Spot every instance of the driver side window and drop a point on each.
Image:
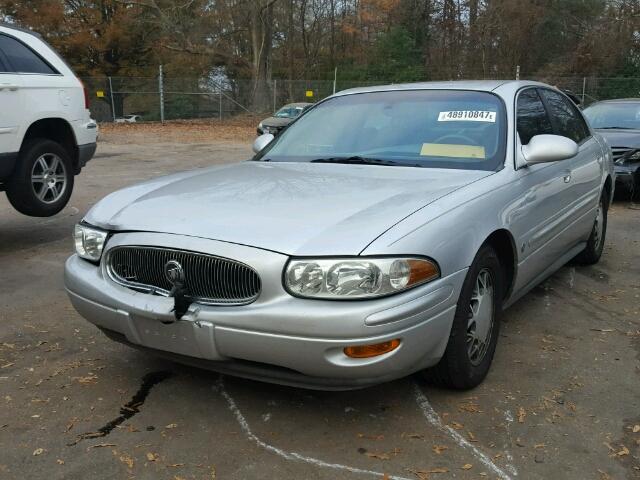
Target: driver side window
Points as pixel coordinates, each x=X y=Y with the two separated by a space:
x=532 y=118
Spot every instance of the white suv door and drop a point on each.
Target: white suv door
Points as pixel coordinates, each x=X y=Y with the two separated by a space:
x=12 y=102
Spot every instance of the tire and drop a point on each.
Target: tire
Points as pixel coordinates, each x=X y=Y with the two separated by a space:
x=460 y=367
x=593 y=251
x=42 y=182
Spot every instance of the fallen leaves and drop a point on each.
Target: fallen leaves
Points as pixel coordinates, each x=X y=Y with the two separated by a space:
x=438 y=449
x=469 y=407
x=371 y=437
x=635 y=429
x=383 y=455
x=38 y=451
x=467 y=466
x=152 y=457
x=621 y=453
x=127 y=460
x=379 y=456
x=522 y=413
x=426 y=474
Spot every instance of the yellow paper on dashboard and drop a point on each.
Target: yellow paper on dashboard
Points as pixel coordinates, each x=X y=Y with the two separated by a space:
x=451 y=150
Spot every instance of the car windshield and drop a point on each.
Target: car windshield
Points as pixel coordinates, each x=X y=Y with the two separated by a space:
x=423 y=128
x=288 y=112
x=614 y=115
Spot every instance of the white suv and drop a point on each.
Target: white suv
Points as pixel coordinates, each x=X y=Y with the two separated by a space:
x=46 y=132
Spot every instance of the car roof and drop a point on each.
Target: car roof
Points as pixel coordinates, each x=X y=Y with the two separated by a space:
x=20 y=29
x=296 y=104
x=477 y=85
x=619 y=100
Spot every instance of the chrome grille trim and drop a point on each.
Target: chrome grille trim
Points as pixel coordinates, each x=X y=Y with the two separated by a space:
x=210 y=280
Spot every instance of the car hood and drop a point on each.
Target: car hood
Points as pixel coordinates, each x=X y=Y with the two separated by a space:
x=276 y=122
x=621 y=138
x=292 y=208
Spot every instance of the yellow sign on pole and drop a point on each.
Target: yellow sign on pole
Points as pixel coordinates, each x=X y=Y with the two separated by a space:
x=309 y=93
x=100 y=94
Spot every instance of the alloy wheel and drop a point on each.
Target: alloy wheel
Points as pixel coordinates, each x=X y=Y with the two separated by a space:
x=480 y=324
x=598 y=227
x=49 y=178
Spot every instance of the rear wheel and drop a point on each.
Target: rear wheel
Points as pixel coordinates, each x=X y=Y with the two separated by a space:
x=593 y=251
x=476 y=325
x=42 y=183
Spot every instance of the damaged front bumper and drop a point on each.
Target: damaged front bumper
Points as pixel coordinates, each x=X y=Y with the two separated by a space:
x=278 y=338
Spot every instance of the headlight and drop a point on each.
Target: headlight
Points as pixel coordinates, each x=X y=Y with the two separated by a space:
x=359 y=277
x=632 y=156
x=89 y=242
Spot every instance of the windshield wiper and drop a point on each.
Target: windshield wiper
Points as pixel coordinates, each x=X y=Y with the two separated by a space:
x=355 y=160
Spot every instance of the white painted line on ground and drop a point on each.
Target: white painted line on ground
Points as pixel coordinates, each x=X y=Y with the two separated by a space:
x=290 y=455
x=508 y=416
x=434 y=419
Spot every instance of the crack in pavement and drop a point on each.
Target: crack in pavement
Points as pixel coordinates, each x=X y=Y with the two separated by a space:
x=129 y=409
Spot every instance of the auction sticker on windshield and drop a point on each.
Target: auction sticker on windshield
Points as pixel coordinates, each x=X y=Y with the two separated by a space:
x=467 y=116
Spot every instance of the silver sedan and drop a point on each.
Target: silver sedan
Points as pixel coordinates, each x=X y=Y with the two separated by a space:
x=382 y=233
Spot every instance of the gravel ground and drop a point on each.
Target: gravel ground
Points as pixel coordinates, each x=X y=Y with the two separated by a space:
x=561 y=402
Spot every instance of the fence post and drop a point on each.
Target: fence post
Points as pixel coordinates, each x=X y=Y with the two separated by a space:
x=335 y=79
x=584 y=88
x=275 y=89
x=113 y=106
x=517 y=72
x=220 y=102
x=161 y=89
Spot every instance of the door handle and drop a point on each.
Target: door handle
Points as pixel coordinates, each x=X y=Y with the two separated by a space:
x=9 y=86
x=567 y=178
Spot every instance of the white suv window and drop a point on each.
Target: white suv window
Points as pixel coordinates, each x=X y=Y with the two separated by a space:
x=22 y=59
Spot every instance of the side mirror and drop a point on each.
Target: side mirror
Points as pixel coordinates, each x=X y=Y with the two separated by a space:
x=549 y=148
x=262 y=141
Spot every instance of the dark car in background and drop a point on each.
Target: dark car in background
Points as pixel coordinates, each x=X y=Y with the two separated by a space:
x=283 y=117
x=618 y=121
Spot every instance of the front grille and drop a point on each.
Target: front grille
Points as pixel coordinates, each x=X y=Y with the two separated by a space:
x=209 y=279
x=618 y=152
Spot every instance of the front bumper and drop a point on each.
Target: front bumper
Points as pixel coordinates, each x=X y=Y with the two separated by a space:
x=278 y=338
x=627 y=176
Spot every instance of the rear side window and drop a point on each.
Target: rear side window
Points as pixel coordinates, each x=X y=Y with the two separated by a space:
x=532 y=116
x=22 y=59
x=567 y=120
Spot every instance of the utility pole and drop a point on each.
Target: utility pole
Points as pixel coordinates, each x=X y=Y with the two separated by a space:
x=584 y=88
x=161 y=89
x=517 y=72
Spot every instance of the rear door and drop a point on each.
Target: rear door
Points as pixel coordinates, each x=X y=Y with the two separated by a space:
x=586 y=168
x=11 y=104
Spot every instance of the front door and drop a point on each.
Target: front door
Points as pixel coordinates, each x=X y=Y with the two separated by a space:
x=586 y=167
x=540 y=218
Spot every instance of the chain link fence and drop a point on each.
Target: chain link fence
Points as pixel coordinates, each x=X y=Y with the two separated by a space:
x=160 y=98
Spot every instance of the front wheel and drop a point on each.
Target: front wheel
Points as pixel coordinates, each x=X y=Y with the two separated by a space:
x=474 y=333
x=42 y=182
x=593 y=251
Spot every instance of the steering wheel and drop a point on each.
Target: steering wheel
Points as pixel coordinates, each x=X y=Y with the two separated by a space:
x=466 y=140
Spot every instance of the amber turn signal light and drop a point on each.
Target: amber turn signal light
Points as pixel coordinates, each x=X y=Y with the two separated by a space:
x=366 y=351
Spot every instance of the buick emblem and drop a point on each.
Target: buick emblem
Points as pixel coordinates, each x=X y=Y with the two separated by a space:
x=174 y=272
